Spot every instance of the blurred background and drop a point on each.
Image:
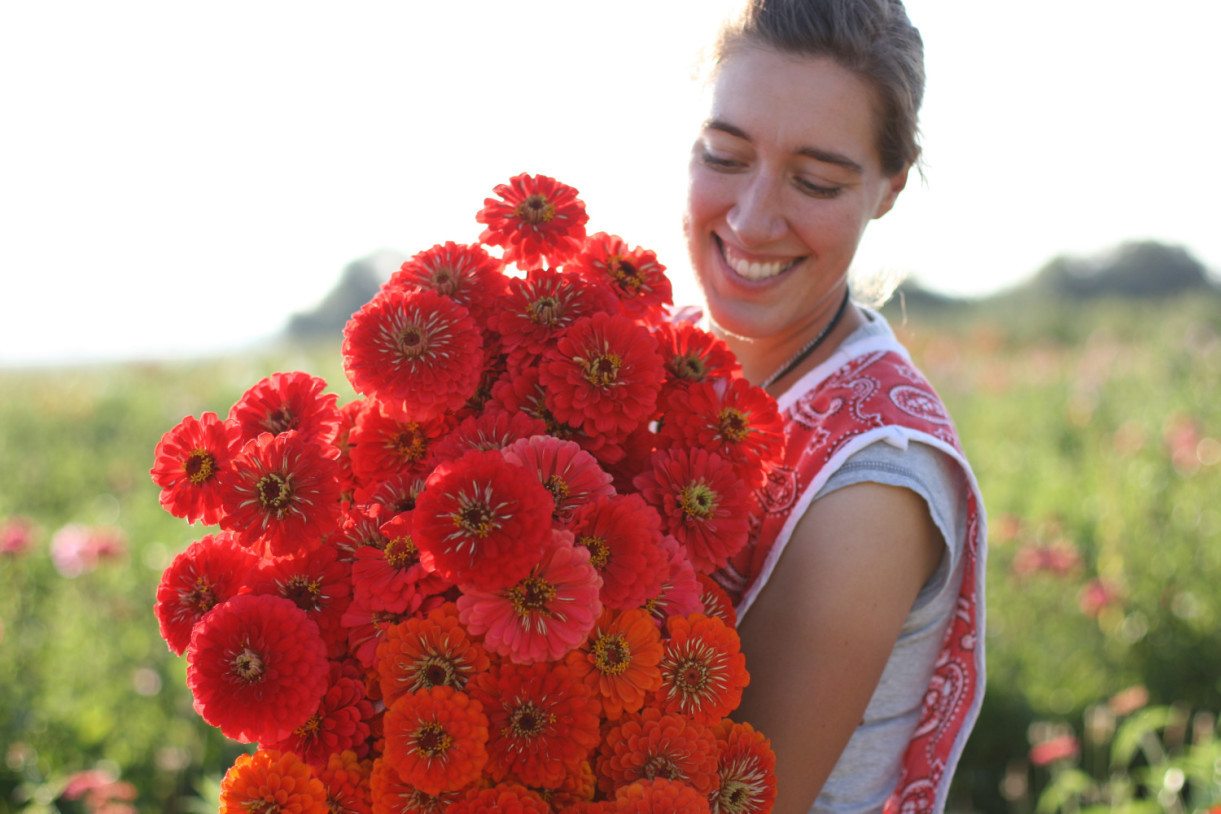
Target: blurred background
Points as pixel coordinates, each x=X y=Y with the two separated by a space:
x=192 y=197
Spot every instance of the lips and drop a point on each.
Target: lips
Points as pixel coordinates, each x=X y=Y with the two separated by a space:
x=750 y=269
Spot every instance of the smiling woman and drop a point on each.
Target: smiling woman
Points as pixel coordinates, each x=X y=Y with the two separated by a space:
x=860 y=595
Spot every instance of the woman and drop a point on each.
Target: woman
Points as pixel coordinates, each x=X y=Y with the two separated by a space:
x=860 y=598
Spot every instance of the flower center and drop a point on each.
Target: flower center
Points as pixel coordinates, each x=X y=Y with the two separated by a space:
x=733 y=424
x=279 y=421
x=611 y=654
x=691 y=676
x=661 y=766
x=200 y=466
x=625 y=274
x=602 y=371
x=306 y=593
x=536 y=209
x=558 y=487
x=201 y=597
x=531 y=595
x=275 y=491
x=545 y=311
x=437 y=671
x=698 y=500
x=528 y=721
x=411 y=342
x=309 y=729
x=689 y=368
x=476 y=519
x=599 y=551
x=742 y=787
x=401 y=552
x=247 y=666
x=445 y=280
x=431 y=740
x=409 y=444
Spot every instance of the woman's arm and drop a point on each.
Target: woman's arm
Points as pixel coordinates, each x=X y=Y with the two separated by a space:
x=820 y=632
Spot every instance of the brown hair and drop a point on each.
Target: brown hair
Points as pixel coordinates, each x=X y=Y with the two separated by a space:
x=873 y=38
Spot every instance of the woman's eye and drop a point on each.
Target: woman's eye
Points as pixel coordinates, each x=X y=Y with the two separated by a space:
x=718 y=161
x=816 y=190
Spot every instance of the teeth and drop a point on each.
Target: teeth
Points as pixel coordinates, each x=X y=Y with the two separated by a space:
x=754 y=271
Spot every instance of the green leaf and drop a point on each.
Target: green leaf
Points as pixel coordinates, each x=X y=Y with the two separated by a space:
x=1132 y=731
x=1067 y=785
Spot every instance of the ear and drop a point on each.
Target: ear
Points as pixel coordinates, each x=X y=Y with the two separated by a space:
x=893 y=185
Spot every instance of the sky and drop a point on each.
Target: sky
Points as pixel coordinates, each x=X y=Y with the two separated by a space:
x=178 y=179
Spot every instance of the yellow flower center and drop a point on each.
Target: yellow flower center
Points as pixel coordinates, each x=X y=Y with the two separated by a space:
x=200 y=466
x=275 y=491
x=303 y=591
x=531 y=595
x=437 y=670
x=734 y=425
x=611 y=654
x=624 y=273
x=544 y=311
x=602 y=371
x=599 y=551
x=528 y=721
x=431 y=740
x=409 y=444
x=400 y=552
x=247 y=666
x=661 y=766
x=698 y=500
x=688 y=368
x=201 y=597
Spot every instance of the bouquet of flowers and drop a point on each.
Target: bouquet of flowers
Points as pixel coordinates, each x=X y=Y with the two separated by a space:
x=484 y=584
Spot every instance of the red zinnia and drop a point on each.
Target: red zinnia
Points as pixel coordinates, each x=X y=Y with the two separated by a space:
x=656 y=744
x=210 y=571
x=542 y=718
x=569 y=473
x=346 y=778
x=746 y=771
x=703 y=670
x=270 y=780
x=493 y=429
x=382 y=575
x=537 y=220
x=540 y=307
x=283 y=494
x=468 y=275
x=384 y=445
x=691 y=355
x=634 y=274
x=544 y=615
x=394 y=495
x=288 y=401
x=340 y=723
x=418 y=352
x=603 y=375
x=619 y=661
x=368 y=618
x=702 y=503
x=734 y=419
x=257 y=668
x=188 y=464
x=317 y=582
x=434 y=651
x=623 y=535
x=481 y=521
x=436 y=739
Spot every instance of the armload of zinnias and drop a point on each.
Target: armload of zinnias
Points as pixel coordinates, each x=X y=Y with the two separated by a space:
x=483 y=586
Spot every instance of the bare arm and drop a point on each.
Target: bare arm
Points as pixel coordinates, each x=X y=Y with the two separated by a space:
x=819 y=634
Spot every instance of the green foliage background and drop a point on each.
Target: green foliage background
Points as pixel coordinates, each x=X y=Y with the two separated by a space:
x=1095 y=429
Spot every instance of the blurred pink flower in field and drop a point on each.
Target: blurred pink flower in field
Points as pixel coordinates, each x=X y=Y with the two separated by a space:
x=1125 y=702
x=101 y=791
x=16 y=536
x=78 y=549
x=1058 y=558
x=1004 y=529
x=1181 y=434
x=1096 y=595
x=1061 y=747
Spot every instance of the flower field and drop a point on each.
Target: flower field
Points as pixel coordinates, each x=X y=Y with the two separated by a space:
x=1095 y=432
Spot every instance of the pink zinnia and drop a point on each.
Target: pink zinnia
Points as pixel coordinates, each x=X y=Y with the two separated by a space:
x=569 y=473
x=680 y=589
x=543 y=616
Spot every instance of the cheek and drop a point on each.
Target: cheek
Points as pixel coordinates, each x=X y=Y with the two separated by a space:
x=707 y=199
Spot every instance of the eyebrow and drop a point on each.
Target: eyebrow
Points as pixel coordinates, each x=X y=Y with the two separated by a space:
x=816 y=153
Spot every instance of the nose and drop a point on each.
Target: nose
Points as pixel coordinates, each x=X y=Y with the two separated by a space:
x=756 y=217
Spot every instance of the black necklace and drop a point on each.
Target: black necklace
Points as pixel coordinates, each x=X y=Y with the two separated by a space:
x=809 y=347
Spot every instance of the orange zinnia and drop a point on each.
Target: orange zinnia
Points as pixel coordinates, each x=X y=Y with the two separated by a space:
x=346 y=778
x=654 y=744
x=436 y=739
x=746 y=771
x=421 y=653
x=620 y=660
x=703 y=670
x=271 y=780
x=659 y=796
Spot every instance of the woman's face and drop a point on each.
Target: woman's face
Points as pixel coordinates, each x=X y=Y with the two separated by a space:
x=784 y=177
